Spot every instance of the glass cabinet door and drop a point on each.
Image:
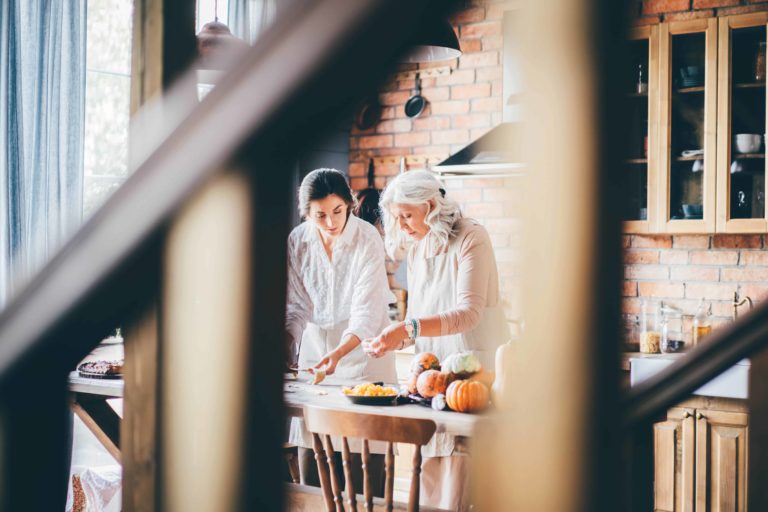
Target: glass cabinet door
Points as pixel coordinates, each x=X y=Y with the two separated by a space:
x=742 y=124
x=641 y=90
x=689 y=95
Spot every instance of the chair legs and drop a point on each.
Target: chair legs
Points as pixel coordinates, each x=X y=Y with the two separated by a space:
x=292 y=459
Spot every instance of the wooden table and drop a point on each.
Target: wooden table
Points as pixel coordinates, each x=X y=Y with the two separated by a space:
x=89 y=402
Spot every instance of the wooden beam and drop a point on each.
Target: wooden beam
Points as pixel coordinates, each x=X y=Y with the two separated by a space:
x=101 y=420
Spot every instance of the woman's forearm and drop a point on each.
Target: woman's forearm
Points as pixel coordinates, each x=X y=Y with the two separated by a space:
x=347 y=345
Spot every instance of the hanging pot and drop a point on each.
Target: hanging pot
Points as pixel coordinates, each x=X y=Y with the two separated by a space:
x=416 y=103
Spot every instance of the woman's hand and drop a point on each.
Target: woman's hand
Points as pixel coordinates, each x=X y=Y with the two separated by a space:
x=328 y=362
x=391 y=338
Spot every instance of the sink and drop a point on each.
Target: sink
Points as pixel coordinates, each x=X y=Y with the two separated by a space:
x=733 y=383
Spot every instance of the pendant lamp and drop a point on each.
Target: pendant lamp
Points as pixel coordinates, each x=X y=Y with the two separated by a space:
x=435 y=42
x=217 y=49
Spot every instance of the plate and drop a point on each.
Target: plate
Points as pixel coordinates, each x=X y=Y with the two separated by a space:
x=372 y=400
x=94 y=375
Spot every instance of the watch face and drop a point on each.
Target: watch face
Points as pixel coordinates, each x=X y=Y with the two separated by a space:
x=409 y=329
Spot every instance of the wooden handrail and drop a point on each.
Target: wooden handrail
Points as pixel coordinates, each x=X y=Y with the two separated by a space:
x=722 y=349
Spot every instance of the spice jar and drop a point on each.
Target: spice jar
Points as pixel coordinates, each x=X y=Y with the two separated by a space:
x=702 y=322
x=650 y=334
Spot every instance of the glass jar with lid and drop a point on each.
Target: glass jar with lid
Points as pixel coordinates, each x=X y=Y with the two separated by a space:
x=702 y=322
x=650 y=328
x=671 y=330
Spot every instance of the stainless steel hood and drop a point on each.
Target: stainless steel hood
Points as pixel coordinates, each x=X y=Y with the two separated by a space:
x=496 y=152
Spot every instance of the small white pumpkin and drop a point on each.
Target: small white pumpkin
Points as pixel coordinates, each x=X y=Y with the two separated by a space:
x=461 y=363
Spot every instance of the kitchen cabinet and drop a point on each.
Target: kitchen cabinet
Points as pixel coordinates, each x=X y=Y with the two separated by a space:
x=700 y=458
x=697 y=155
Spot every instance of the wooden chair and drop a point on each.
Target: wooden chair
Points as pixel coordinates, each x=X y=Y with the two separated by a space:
x=327 y=422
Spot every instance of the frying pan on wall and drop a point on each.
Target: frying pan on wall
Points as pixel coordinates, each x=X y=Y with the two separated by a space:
x=416 y=103
x=368 y=199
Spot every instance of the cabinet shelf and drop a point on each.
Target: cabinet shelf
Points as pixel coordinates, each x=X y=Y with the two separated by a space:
x=737 y=156
x=750 y=85
x=690 y=90
x=635 y=161
x=689 y=158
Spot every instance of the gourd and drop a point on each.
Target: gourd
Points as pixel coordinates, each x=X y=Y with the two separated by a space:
x=504 y=354
x=412 y=383
x=467 y=396
x=432 y=382
x=461 y=363
x=486 y=377
x=424 y=361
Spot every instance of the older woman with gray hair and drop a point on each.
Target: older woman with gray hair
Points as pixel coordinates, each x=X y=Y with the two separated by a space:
x=453 y=303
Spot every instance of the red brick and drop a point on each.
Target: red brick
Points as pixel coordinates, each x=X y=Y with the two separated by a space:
x=758 y=258
x=690 y=273
x=395 y=126
x=358 y=183
x=660 y=289
x=476 y=133
x=690 y=15
x=488 y=74
x=645 y=20
x=460 y=76
x=437 y=93
x=471 y=45
x=468 y=16
x=492 y=42
x=755 y=291
x=450 y=137
x=389 y=113
x=674 y=257
x=743 y=9
x=642 y=256
x=737 y=241
x=709 y=4
x=629 y=289
x=394 y=98
x=479 y=30
x=709 y=291
x=646 y=272
x=432 y=123
x=375 y=141
x=387 y=170
x=626 y=241
x=690 y=241
x=358 y=169
x=441 y=151
x=479 y=59
x=744 y=274
x=472 y=120
x=460 y=92
x=714 y=257
x=450 y=107
x=484 y=210
x=354 y=143
x=652 y=241
x=487 y=105
x=662 y=6
x=409 y=140
x=631 y=306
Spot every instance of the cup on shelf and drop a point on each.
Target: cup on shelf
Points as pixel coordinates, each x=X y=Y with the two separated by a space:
x=747 y=142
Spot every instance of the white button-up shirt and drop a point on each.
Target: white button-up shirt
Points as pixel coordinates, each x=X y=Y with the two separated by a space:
x=351 y=288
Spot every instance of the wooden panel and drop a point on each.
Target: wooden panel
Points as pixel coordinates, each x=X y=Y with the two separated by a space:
x=757 y=449
x=721 y=461
x=140 y=412
x=674 y=462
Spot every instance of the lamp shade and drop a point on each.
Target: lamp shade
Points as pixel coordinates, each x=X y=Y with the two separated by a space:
x=217 y=47
x=434 y=42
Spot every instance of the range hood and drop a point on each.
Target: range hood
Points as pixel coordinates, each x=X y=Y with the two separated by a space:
x=496 y=152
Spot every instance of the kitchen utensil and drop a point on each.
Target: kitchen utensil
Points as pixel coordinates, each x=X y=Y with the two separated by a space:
x=369 y=113
x=416 y=103
x=368 y=199
x=747 y=142
x=372 y=400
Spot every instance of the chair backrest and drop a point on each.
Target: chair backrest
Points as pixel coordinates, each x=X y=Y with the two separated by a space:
x=329 y=422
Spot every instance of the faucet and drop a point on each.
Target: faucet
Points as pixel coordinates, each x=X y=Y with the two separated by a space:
x=736 y=303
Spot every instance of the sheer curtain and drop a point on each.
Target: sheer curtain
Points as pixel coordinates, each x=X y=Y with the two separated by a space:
x=248 y=18
x=42 y=112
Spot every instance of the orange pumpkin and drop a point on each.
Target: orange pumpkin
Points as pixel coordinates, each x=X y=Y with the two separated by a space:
x=432 y=382
x=424 y=361
x=484 y=376
x=467 y=396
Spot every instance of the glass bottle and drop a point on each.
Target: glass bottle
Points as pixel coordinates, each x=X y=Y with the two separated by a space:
x=760 y=63
x=650 y=334
x=702 y=322
x=671 y=322
x=642 y=82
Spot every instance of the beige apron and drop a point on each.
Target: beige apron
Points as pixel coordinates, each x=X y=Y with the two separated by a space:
x=432 y=285
x=315 y=343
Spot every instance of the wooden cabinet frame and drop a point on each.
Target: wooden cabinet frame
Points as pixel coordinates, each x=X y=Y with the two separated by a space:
x=651 y=33
x=724 y=223
x=666 y=31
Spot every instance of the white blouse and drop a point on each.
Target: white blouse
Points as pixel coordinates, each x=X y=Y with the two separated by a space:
x=351 y=287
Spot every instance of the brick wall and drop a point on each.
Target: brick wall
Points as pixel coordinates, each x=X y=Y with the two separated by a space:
x=649 y=12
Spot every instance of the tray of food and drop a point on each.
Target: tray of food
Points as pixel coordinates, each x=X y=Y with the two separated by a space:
x=101 y=369
x=371 y=393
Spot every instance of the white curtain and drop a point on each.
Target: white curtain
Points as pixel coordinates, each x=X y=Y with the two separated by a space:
x=249 y=18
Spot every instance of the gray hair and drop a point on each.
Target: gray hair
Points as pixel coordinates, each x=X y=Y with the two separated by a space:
x=418 y=188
